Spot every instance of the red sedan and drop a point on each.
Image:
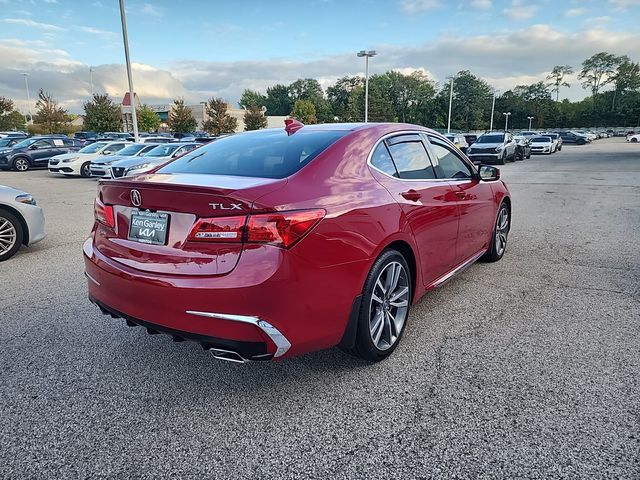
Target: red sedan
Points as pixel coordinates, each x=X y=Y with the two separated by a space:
x=274 y=243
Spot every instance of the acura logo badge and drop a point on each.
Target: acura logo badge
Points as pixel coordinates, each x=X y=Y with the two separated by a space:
x=136 y=198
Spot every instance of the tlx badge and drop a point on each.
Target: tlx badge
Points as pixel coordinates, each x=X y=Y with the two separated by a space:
x=222 y=206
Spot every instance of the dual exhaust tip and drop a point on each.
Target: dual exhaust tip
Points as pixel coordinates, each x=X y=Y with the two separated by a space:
x=227 y=355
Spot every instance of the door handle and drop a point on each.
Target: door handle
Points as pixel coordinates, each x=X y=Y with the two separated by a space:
x=411 y=195
x=460 y=194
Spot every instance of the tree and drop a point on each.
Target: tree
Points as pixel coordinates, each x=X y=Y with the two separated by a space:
x=101 y=114
x=251 y=98
x=626 y=79
x=338 y=95
x=181 y=118
x=557 y=78
x=49 y=114
x=254 y=119
x=148 y=120
x=10 y=119
x=219 y=120
x=278 y=101
x=598 y=70
x=305 y=89
x=305 y=111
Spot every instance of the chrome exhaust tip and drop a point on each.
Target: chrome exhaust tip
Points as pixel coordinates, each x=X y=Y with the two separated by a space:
x=227 y=355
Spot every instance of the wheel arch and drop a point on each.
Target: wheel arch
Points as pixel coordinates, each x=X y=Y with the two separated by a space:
x=23 y=223
x=17 y=157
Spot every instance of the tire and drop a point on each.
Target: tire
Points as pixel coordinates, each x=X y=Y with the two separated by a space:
x=634 y=140
x=581 y=142
x=500 y=235
x=502 y=159
x=85 y=170
x=11 y=235
x=21 y=164
x=519 y=156
x=529 y=155
x=377 y=334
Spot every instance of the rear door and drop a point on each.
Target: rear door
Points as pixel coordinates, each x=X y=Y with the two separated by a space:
x=429 y=205
x=44 y=149
x=475 y=201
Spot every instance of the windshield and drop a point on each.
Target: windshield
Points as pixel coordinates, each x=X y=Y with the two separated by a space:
x=490 y=139
x=5 y=141
x=130 y=150
x=25 y=143
x=541 y=140
x=265 y=154
x=162 y=151
x=93 y=148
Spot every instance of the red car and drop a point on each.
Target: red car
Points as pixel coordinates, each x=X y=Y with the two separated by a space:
x=278 y=242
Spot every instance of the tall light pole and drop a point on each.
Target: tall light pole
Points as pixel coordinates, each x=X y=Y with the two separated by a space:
x=125 y=39
x=366 y=54
x=26 y=85
x=530 y=118
x=91 y=70
x=493 y=107
x=506 y=120
x=450 y=102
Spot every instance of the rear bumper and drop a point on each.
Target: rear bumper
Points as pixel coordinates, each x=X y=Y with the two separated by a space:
x=272 y=298
x=484 y=157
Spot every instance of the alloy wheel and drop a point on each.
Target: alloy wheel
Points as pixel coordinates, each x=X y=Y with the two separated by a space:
x=21 y=164
x=8 y=236
x=502 y=230
x=389 y=305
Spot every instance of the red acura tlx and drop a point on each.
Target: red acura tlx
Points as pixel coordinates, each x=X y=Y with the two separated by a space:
x=273 y=243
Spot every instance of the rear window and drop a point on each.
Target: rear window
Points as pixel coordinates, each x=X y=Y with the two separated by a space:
x=541 y=140
x=490 y=139
x=264 y=154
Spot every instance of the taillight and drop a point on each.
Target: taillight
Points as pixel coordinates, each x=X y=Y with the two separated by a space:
x=222 y=229
x=283 y=229
x=104 y=213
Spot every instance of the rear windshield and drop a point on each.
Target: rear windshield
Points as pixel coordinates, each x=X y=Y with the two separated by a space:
x=541 y=140
x=264 y=154
x=131 y=150
x=490 y=139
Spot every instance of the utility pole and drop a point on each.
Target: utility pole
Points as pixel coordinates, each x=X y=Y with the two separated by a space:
x=26 y=84
x=125 y=39
x=91 y=79
x=506 y=120
x=493 y=107
x=530 y=118
x=366 y=55
x=450 y=102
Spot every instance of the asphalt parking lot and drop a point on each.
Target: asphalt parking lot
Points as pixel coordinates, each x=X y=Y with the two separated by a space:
x=526 y=368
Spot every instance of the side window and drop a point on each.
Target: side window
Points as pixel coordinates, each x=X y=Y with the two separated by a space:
x=43 y=144
x=113 y=148
x=68 y=143
x=382 y=160
x=449 y=165
x=410 y=157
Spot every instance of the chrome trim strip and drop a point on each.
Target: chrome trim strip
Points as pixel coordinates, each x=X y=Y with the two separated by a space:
x=442 y=280
x=280 y=341
x=91 y=278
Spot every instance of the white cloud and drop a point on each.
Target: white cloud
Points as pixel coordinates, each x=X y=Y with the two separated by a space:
x=575 y=12
x=106 y=34
x=30 y=23
x=624 y=4
x=417 y=6
x=519 y=10
x=481 y=4
x=149 y=9
x=52 y=2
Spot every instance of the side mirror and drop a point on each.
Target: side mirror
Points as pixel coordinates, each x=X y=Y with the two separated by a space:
x=489 y=173
x=33 y=147
x=108 y=152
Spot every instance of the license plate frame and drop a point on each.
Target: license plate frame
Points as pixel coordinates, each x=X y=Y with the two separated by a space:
x=148 y=227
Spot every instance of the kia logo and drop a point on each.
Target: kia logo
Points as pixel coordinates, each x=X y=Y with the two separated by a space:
x=136 y=198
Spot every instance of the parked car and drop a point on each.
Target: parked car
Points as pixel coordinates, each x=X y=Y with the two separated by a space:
x=79 y=163
x=84 y=136
x=8 y=142
x=470 y=138
x=35 y=152
x=557 y=140
x=570 y=137
x=523 y=147
x=21 y=221
x=458 y=140
x=634 y=138
x=155 y=139
x=152 y=159
x=239 y=244
x=14 y=134
x=101 y=166
x=588 y=135
x=542 y=144
x=493 y=147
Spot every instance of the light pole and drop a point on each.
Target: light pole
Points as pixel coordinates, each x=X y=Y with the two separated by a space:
x=366 y=54
x=450 y=102
x=493 y=107
x=26 y=84
x=91 y=70
x=125 y=39
x=530 y=118
x=506 y=120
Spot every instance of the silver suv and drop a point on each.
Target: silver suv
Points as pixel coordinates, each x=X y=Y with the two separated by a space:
x=493 y=148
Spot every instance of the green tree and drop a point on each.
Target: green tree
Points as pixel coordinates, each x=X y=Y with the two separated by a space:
x=254 y=119
x=181 y=118
x=305 y=111
x=278 y=101
x=101 y=114
x=338 y=95
x=471 y=99
x=148 y=120
x=10 y=119
x=305 y=89
x=598 y=70
x=626 y=79
x=219 y=121
x=557 y=78
x=49 y=114
x=252 y=98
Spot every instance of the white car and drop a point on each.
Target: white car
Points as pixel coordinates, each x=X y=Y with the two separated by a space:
x=79 y=163
x=150 y=160
x=155 y=140
x=542 y=144
x=458 y=140
x=21 y=221
x=633 y=138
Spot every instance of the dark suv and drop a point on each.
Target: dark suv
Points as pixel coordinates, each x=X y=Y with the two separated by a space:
x=35 y=152
x=570 y=137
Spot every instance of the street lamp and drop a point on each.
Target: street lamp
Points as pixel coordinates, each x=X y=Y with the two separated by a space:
x=91 y=70
x=26 y=84
x=366 y=54
x=450 y=102
x=125 y=39
x=530 y=118
x=506 y=120
x=493 y=107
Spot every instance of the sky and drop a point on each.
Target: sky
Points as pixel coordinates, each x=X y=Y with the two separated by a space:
x=199 y=49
